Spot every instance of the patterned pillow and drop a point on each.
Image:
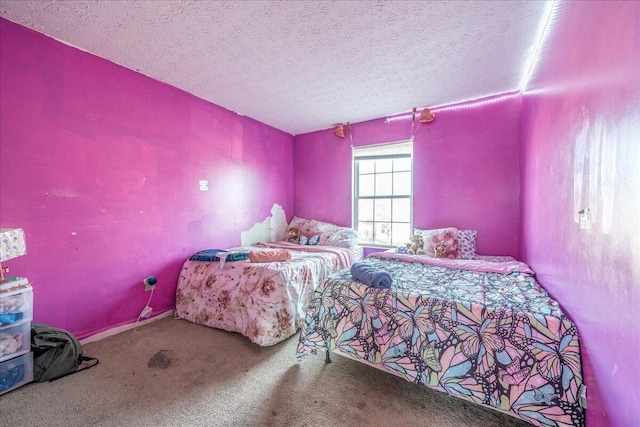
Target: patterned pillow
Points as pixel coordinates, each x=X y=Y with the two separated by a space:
x=401 y=250
x=440 y=243
x=467 y=244
x=314 y=240
x=330 y=234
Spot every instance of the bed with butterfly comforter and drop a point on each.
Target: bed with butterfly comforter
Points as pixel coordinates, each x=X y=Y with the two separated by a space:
x=480 y=330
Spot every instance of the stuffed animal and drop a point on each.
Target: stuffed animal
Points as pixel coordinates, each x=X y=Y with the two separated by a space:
x=293 y=236
x=440 y=251
x=415 y=246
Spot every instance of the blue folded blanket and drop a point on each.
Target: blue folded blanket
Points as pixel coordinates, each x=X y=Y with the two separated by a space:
x=370 y=275
x=210 y=255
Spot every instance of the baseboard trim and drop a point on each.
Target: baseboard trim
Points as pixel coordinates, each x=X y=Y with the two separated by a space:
x=114 y=331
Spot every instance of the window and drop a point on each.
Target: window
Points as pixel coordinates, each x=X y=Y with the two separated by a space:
x=383 y=193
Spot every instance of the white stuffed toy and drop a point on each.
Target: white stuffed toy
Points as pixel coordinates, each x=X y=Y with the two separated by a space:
x=416 y=245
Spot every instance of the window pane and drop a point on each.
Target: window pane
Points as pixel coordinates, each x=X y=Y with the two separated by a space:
x=383 y=233
x=402 y=164
x=401 y=210
x=366 y=231
x=402 y=183
x=366 y=166
x=384 y=165
x=401 y=233
x=365 y=210
x=366 y=185
x=383 y=184
x=382 y=209
x=383 y=194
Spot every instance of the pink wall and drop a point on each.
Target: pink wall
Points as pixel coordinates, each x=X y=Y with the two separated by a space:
x=466 y=171
x=581 y=149
x=101 y=166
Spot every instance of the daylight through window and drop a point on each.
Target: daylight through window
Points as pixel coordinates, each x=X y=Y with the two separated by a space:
x=382 y=193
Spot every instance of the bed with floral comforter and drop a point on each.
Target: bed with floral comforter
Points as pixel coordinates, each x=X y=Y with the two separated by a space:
x=479 y=330
x=265 y=302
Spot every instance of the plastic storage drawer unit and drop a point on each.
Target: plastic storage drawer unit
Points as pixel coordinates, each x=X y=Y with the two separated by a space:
x=15 y=340
x=16 y=372
x=16 y=305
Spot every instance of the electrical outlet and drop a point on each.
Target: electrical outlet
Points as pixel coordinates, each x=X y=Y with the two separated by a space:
x=150 y=283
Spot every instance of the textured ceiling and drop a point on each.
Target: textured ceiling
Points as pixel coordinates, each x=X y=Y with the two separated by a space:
x=302 y=66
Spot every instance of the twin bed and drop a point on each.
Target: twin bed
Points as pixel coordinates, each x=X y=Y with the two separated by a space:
x=481 y=329
x=264 y=301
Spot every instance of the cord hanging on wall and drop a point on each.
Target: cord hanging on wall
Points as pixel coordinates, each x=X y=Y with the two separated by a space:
x=413 y=121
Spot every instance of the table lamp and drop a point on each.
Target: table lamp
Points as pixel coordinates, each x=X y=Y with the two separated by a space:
x=12 y=245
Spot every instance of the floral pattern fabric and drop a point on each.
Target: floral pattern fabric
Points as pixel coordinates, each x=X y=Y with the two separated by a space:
x=441 y=243
x=330 y=234
x=495 y=339
x=266 y=302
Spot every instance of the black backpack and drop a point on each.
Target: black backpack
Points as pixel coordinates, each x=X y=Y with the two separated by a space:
x=56 y=353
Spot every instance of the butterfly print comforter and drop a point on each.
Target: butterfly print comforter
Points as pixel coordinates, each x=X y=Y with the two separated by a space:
x=485 y=333
x=265 y=302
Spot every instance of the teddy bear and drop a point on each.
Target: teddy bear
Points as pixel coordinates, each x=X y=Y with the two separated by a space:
x=293 y=236
x=440 y=251
x=415 y=246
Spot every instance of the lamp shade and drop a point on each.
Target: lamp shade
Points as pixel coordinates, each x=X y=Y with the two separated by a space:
x=12 y=243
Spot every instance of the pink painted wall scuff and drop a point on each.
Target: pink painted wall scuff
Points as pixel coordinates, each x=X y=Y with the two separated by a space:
x=580 y=127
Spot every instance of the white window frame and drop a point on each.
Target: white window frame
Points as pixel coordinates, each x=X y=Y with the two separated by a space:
x=392 y=150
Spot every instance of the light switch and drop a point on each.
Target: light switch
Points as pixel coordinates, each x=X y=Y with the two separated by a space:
x=204 y=185
x=585 y=218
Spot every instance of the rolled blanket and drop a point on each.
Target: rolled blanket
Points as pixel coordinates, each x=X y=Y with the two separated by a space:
x=370 y=275
x=276 y=255
x=212 y=255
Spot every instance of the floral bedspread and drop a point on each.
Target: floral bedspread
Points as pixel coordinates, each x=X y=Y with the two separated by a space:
x=266 y=302
x=491 y=338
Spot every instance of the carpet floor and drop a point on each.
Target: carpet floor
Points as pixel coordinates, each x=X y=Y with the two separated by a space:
x=174 y=373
